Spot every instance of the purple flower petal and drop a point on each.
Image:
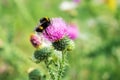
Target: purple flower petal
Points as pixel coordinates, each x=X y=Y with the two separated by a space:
x=72 y=31
x=55 y=31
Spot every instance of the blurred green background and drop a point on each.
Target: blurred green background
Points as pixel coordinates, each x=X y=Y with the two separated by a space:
x=97 y=52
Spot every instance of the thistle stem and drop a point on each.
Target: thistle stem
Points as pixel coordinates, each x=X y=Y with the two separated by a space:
x=62 y=65
x=52 y=76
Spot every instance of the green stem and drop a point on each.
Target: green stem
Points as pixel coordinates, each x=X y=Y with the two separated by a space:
x=52 y=76
x=60 y=71
x=62 y=65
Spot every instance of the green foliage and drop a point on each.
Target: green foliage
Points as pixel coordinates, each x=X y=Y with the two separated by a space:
x=97 y=50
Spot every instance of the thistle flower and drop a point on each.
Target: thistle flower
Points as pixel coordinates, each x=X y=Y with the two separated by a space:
x=72 y=31
x=55 y=31
x=76 y=1
x=68 y=5
x=35 y=40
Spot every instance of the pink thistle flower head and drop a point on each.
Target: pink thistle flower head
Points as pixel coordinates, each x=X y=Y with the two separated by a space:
x=72 y=31
x=76 y=1
x=35 y=40
x=56 y=30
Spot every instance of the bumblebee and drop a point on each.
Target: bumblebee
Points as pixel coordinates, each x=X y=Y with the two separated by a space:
x=44 y=23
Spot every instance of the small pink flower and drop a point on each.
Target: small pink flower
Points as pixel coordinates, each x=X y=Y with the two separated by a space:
x=72 y=31
x=35 y=40
x=76 y=1
x=55 y=31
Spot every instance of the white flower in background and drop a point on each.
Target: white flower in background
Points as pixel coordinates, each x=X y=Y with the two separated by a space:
x=84 y=36
x=97 y=2
x=91 y=22
x=118 y=1
x=68 y=5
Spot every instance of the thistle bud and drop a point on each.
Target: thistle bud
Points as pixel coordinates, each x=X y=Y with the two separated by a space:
x=42 y=53
x=62 y=44
x=35 y=40
x=71 y=45
x=35 y=75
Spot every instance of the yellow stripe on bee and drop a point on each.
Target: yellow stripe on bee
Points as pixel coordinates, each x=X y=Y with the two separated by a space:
x=47 y=18
x=40 y=27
